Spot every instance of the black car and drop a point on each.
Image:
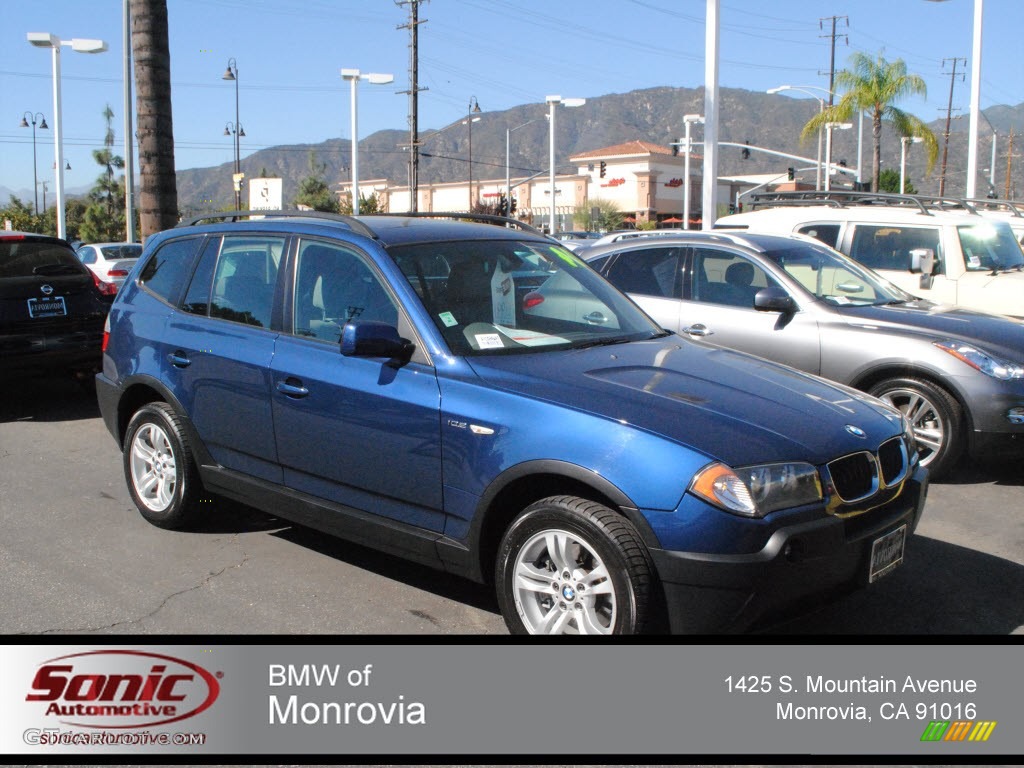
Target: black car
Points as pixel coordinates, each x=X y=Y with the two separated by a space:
x=52 y=308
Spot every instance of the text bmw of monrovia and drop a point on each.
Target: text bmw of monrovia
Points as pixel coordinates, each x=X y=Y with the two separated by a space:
x=122 y=689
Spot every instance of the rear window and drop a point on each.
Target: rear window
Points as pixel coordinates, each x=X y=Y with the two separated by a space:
x=35 y=258
x=124 y=251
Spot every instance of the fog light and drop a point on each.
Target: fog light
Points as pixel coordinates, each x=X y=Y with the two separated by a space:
x=1016 y=415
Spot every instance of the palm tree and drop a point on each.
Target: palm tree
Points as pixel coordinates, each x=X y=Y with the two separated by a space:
x=874 y=86
x=158 y=189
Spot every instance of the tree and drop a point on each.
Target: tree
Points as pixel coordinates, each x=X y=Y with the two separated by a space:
x=314 y=192
x=104 y=218
x=367 y=205
x=889 y=181
x=158 y=189
x=21 y=216
x=609 y=216
x=874 y=86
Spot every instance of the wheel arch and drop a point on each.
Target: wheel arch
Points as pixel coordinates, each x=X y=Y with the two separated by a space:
x=867 y=379
x=139 y=391
x=519 y=486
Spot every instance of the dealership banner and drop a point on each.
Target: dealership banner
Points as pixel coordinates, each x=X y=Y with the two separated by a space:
x=532 y=698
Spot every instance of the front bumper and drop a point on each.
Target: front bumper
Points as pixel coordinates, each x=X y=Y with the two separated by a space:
x=800 y=567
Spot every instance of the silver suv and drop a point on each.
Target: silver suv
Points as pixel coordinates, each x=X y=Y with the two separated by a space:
x=946 y=251
x=958 y=375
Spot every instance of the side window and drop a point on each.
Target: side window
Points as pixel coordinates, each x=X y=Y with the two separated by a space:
x=197 y=298
x=333 y=286
x=87 y=255
x=827 y=233
x=245 y=279
x=889 y=246
x=721 y=277
x=168 y=268
x=646 y=271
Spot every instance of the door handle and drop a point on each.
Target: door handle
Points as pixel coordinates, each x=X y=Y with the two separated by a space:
x=596 y=318
x=178 y=360
x=292 y=388
x=698 y=329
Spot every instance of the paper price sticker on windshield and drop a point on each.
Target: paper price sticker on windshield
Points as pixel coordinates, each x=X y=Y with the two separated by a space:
x=488 y=341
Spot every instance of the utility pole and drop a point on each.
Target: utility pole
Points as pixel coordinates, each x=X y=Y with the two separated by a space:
x=832 y=59
x=949 y=115
x=414 y=89
x=1009 y=166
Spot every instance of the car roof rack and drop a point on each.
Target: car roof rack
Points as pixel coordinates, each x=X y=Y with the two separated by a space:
x=353 y=223
x=1013 y=207
x=484 y=218
x=837 y=199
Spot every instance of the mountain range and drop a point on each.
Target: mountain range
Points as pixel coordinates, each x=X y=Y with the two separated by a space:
x=653 y=114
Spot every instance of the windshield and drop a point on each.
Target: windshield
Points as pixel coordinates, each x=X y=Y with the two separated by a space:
x=833 y=278
x=491 y=297
x=990 y=246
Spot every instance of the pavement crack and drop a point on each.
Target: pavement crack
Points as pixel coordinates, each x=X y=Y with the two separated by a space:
x=163 y=603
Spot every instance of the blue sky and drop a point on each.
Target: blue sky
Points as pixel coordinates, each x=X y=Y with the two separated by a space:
x=289 y=54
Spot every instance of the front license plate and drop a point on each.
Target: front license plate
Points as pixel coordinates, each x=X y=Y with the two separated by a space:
x=48 y=307
x=887 y=553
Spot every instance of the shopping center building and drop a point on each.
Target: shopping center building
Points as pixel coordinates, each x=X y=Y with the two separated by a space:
x=643 y=180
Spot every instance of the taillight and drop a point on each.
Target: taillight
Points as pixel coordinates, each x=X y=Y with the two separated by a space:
x=532 y=299
x=105 y=288
x=106 y=333
x=117 y=273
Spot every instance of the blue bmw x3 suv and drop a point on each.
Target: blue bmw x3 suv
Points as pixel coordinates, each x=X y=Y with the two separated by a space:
x=380 y=378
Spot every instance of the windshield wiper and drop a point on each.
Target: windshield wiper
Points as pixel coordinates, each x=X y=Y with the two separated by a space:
x=56 y=269
x=602 y=342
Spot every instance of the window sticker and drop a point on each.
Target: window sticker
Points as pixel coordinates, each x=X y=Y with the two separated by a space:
x=973 y=262
x=503 y=297
x=448 y=319
x=531 y=338
x=565 y=255
x=489 y=341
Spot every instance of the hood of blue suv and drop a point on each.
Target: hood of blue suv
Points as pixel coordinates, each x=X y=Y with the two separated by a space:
x=730 y=406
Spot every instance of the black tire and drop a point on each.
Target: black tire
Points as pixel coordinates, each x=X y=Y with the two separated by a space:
x=590 y=534
x=935 y=416
x=158 y=466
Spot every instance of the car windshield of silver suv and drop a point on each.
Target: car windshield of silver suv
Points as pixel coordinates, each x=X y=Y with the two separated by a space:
x=990 y=248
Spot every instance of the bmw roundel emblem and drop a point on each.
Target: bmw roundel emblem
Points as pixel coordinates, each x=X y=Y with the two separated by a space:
x=568 y=592
x=856 y=431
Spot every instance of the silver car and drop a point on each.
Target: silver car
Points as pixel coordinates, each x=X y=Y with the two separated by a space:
x=110 y=262
x=957 y=374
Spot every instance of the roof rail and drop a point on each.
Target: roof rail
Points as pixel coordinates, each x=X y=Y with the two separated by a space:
x=485 y=218
x=1014 y=207
x=353 y=223
x=836 y=198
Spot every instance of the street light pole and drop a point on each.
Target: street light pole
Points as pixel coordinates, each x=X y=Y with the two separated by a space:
x=688 y=120
x=232 y=74
x=54 y=43
x=473 y=107
x=821 y=108
x=552 y=102
x=42 y=126
x=354 y=76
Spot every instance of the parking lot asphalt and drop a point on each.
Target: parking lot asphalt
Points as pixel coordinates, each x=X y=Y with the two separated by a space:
x=77 y=558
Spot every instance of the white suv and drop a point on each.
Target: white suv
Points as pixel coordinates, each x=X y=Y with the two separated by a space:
x=920 y=244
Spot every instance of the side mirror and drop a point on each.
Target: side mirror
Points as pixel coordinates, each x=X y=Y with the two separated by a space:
x=774 y=299
x=373 y=339
x=922 y=260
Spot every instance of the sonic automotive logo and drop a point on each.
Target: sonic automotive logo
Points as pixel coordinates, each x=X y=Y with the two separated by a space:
x=122 y=689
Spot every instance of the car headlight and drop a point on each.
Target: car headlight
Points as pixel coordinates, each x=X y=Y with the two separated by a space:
x=757 y=490
x=988 y=364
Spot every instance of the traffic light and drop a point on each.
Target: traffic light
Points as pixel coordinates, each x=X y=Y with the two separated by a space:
x=503 y=206
x=512 y=206
x=604 y=168
x=791 y=173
